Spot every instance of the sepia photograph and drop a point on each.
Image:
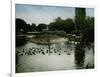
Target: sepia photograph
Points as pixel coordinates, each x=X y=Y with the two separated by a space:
x=53 y=38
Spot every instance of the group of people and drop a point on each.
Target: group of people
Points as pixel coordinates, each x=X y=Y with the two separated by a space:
x=43 y=51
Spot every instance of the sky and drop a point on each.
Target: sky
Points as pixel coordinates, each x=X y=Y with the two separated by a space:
x=45 y=14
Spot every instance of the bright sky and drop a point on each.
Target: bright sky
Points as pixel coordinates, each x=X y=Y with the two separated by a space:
x=46 y=14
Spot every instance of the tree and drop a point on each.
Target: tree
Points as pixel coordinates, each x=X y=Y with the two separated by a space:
x=89 y=22
x=20 y=25
x=33 y=26
x=88 y=31
x=58 y=19
x=80 y=15
x=69 y=25
x=41 y=26
x=66 y=25
x=58 y=24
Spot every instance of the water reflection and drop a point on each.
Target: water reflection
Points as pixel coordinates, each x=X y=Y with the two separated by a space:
x=61 y=56
x=79 y=55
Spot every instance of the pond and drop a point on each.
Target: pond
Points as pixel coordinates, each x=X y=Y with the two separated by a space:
x=33 y=57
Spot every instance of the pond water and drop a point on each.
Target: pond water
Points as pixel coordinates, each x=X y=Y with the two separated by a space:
x=33 y=57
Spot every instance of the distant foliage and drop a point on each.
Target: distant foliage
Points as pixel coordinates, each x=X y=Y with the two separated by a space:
x=41 y=26
x=66 y=25
x=80 y=25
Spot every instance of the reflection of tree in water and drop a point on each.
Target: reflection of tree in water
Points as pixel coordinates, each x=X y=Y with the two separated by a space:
x=49 y=45
x=79 y=55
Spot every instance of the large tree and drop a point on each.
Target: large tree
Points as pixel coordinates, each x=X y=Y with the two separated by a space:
x=20 y=25
x=80 y=16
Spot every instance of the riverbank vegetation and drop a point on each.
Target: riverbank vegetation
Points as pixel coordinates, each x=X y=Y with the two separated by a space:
x=81 y=26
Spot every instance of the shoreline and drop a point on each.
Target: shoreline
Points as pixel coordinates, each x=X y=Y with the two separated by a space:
x=45 y=41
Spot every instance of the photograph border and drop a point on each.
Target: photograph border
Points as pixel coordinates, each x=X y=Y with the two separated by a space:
x=13 y=39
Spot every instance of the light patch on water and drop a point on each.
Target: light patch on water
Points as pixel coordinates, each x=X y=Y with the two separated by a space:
x=46 y=63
